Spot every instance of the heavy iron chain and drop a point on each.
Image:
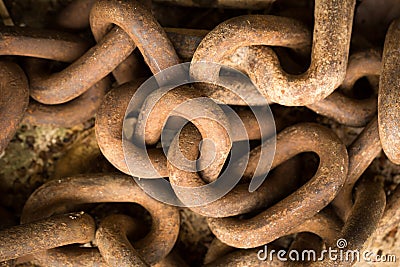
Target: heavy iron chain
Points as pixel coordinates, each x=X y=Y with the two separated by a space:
x=333 y=203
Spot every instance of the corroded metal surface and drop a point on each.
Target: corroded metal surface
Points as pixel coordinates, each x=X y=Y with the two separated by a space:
x=388 y=106
x=369 y=206
x=83 y=220
x=362 y=152
x=345 y=110
x=56 y=46
x=14 y=97
x=113 y=244
x=113 y=188
x=45 y=234
x=330 y=50
x=277 y=221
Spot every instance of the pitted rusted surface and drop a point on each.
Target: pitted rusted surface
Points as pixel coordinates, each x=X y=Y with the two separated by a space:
x=330 y=50
x=369 y=206
x=73 y=81
x=45 y=234
x=345 y=110
x=56 y=46
x=140 y=26
x=362 y=152
x=280 y=184
x=14 y=97
x=71 y=113
x=113 y=244
x=277 y=221
x=109 y=122
x=111 y=50
x=51 y=198
x=308 y=201
x=388 y=105
x=390 y=219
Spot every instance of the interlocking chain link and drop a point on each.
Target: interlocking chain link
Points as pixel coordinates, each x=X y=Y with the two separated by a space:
x=289 y=67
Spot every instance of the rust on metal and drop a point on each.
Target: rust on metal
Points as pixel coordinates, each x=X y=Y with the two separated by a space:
x=362 y=152
x=390 y=219
x=14 y=98
x=368 y=208
x=113 y=243
x=331 y=41
x=52 y=196
x=345 y=110
x=113 y=47
x=388 y=104
x=109 y=122
x=46 y=44
x=45 y=234
x=56 y=46
x=271 y=191
x=303 y=204
x=69 y=80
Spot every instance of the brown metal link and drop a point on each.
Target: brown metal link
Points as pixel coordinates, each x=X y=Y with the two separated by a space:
x=109 y=120
x=186 y=102
x=86 y=71
x=369 y=205
x=71 y=113
x=45 y=234
x=111 y=50
x=185 y=41
x=288 y=64
x=388 y=105
x=70 y=257
x=362 y=64
x=113 y=244
x=347 y=111
x=14 y=97
x=324 y=224
x=53 y=46
x=331 y=40
x=52 y=196
x=273 y=189
x=361 y=153
x=46 y=44
x=277 y=221
x=352 y=112
x=390 y=219
x=240 y=32
x=140 y=26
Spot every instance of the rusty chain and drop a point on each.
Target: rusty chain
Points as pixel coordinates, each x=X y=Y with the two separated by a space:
x=286 y=63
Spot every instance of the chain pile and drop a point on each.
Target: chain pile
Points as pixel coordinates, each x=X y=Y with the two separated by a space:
x=339 y=200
